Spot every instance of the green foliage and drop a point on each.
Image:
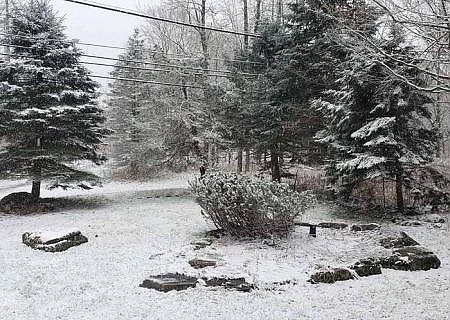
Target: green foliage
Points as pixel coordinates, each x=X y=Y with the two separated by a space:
x=49 y=115
x=244 y=206
x=379 y=125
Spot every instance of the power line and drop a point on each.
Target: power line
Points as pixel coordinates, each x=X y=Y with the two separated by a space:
x=151 y=69
x=132 y=79
x=215 y=71
x=147 y=81
x=141 y=15
x=176 y=56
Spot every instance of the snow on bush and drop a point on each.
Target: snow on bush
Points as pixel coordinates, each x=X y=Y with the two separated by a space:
x=243 y=206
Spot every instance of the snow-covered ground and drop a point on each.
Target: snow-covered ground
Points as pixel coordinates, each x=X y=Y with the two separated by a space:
x=135 y=232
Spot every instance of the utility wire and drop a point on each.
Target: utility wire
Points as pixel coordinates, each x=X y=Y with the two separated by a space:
x=147 y=81
x=141 y=15
x=176 y=56
x=217 y=71
x=152 y=69
x=132 y=79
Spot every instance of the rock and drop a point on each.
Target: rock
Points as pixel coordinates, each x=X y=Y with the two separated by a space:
x=177 y=281
x=53 y=242
x=201 y=263
x=411 y=223
x=403 y=241
x=367 y=267
x=433 y=218
x=169 y=282
x=234 y=283
x=332 y=225
x=331 y=276
x=17 y=198
x=365 y=227
x=411 y=258
x=201 y=244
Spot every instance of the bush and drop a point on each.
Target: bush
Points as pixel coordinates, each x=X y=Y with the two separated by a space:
x=243 y=206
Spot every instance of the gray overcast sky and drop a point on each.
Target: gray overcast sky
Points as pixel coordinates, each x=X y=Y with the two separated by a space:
x=100 y=26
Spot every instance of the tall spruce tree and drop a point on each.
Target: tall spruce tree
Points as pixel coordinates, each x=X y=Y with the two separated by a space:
x=299 y=60
x=154 y=125
x=129 y=102
x=378 y=125
x=48 y=110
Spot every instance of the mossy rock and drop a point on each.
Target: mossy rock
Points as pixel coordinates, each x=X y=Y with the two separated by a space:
x=54 y=244
x=411 y=258
x=398 y=242
x=331 y=276
x=367 y=267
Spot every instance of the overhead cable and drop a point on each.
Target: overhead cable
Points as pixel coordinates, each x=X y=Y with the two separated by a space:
x=141 y=15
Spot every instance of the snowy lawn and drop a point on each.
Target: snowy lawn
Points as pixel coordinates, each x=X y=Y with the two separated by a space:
x=135 y=231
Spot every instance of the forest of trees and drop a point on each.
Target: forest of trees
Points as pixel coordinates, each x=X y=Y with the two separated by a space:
x=358 y=88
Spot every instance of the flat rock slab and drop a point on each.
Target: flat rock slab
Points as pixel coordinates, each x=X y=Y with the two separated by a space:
x=169 y=282
x=411 y=258
x=410 y=223
x=398 y=242
x=234 y=283
x=53 y=241
x=365 y=227
x=331 y=276
x=202 y=263
x=178 y=281
x=201 y=244
x=333 y=225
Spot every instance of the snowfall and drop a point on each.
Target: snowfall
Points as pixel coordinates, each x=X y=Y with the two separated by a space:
x=137 y=230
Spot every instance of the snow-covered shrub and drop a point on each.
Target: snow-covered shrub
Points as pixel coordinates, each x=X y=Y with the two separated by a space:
x=243 y=206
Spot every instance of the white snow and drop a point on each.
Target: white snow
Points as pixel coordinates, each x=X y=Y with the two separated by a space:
x=51 y=234
x=372 y=126
x=132 y=236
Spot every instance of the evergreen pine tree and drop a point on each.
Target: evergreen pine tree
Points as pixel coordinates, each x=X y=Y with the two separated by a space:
x=378 y=125
x=48 y=112
x=153 y=123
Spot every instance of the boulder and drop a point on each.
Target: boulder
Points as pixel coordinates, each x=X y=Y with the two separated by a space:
x=53 y=242
x=398 y=242
x=411 y=258
x=366 y=227
x=202 y=263
x=367 y=267
x=169 y=282
x=410 y=223
x=17 y=198
x=177 y=281
x=331 y=276
x=238 y=284
x=332 y=225
x=201 y=244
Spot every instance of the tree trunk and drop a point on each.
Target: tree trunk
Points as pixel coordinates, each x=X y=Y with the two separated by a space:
x=247 y=160
x=280 y=11
x=275 y=165
x=245 y=23
x=239 y=160
x=399 y=190
x=257 y=15
x=36 y=190
x=36 y=184
x=203 y=38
